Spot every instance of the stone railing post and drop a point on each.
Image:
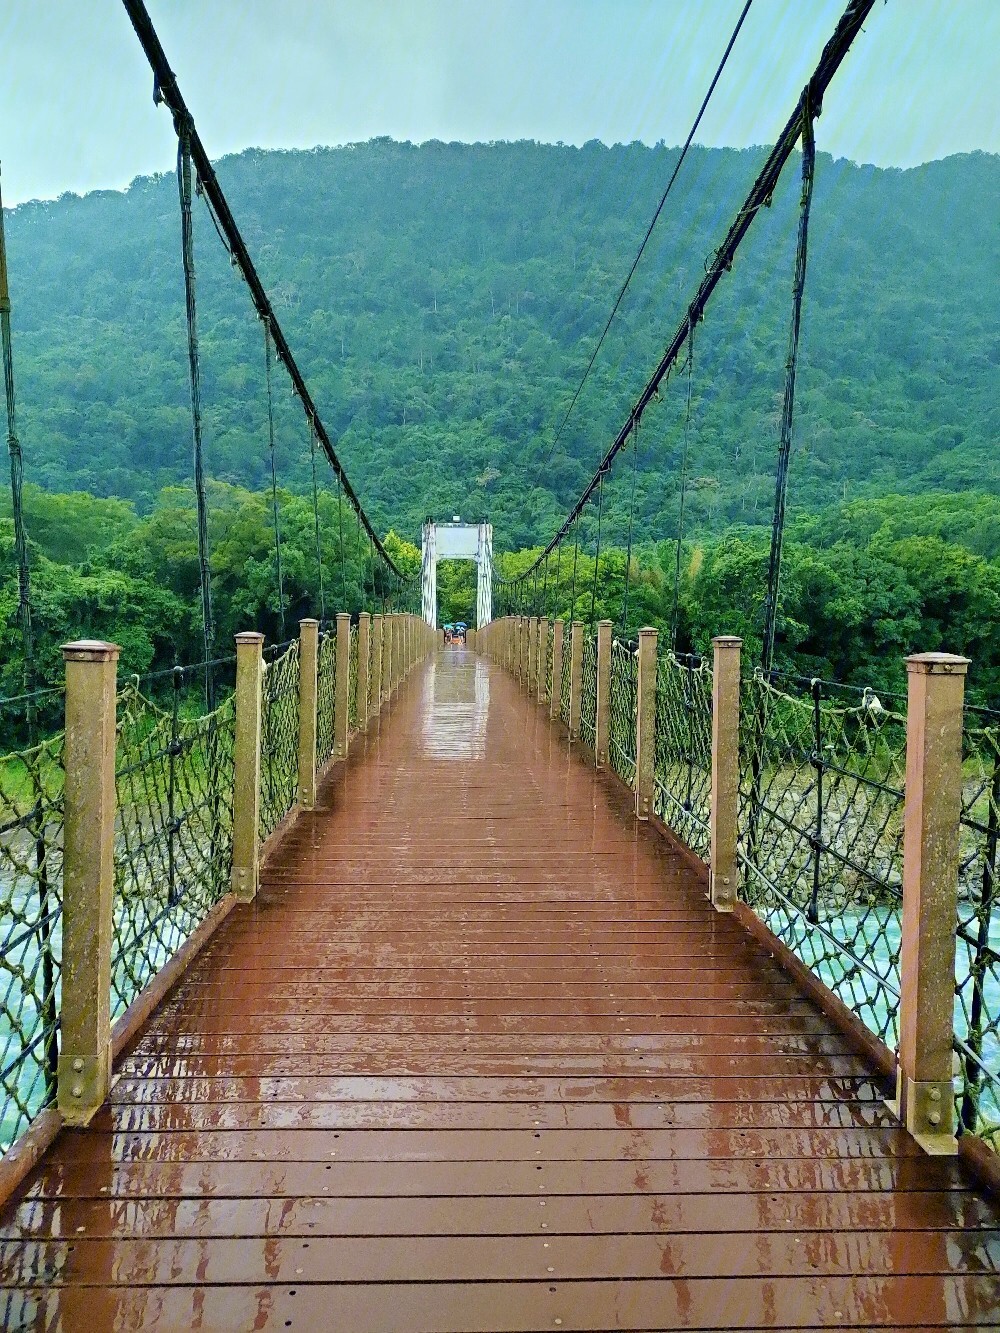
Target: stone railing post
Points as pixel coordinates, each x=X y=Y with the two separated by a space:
x=543 y=660
x=342 y=687
x=364 y=665
x=723 y=870
x=645 y=723
x=557 y=661
x=935 y=696
x=308 y=669
x=84 y=1070
x=575 y=677
x=603 y=722
x=246 y=765
x=376 y=668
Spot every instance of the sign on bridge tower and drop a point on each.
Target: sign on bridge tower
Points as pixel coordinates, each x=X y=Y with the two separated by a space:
x=457 y=541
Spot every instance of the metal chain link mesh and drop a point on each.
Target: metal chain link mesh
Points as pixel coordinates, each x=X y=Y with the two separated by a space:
x=352 y=687
x=821 y=833
x=173 y=832
x=31 y=828
x=588 y=692
x=566 y=684
x=977 y=964
x=682 y=769
x=621 y=706
x=279 y=740
x=326 y=694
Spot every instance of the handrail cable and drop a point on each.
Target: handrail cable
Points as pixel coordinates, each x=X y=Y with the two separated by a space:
x=810 y=103
x=166 y=90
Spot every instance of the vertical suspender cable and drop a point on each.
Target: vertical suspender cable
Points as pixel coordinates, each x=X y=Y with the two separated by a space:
x=674 y=606
x=340 y=528
x=631 y=517
x=16 y=497
x=194 y=368
x=316 y=526
x=597 y=555
x=274 y=481
x=576 y=557
x=788 y=408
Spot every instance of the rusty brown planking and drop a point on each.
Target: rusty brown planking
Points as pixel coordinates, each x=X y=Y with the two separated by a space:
x=482 y=1057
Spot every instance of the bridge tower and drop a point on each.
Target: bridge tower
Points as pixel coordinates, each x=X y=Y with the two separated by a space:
x=457 y=541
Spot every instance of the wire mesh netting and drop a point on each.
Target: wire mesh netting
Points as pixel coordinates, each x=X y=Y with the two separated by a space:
x=977 y=963
x=588 y=692
x=173 y=831
x=352 y=687
x=279 y=739
x=821 y=830
x=566 y=683
x=31 y=829
x=326 y=694
x=621 y=705
x=371 y=668
x=682 y=769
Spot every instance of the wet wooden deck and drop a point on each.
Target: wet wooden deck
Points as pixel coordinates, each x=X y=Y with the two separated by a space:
x=482 y=1057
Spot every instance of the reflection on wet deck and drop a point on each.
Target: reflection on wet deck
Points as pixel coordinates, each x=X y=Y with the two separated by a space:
x=481 y=1056
x=455 y=706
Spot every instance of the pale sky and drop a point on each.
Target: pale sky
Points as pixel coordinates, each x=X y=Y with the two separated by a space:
x=76 y=111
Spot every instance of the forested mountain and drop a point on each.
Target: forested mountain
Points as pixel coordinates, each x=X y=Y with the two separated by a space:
x=443 y=300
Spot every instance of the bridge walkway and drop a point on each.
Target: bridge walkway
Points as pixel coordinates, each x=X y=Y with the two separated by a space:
x=481 y=1056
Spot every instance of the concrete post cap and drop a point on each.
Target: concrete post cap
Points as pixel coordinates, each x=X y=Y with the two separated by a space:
x=90 y=650
x=727 y=641
x=937 y=664
x=308 y=620
x=647 y=630
x=248 y=638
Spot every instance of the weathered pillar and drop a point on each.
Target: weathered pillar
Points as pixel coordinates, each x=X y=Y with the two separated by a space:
x=723 y=870
x=543 y=660
x=557 y=661
x=308 y=669
x=575 y=677
x=935 y=697
x=376 y=667
x=645 y=723
x=246 y=764
x=532 y=680
x=342 y=687
x=386 y=655
x=364 y=667
x=84 y=1070
x=603 y=721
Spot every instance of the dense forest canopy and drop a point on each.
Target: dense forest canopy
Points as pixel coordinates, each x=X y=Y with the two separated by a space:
x=444 y=299
x=442 y=302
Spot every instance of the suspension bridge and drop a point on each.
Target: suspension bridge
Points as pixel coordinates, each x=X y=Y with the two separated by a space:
x=557 y=979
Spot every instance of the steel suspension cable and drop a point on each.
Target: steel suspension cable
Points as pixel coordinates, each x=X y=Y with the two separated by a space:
x=576 y=556
x=788 y=406
x=649 y=230
x=832 y=57
x=167 y=91
x=675 y=603
x=194 y=374
x=274 y=482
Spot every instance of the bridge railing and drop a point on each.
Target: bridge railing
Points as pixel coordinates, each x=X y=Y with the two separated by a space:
x=860 y=831
x=119 y=842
